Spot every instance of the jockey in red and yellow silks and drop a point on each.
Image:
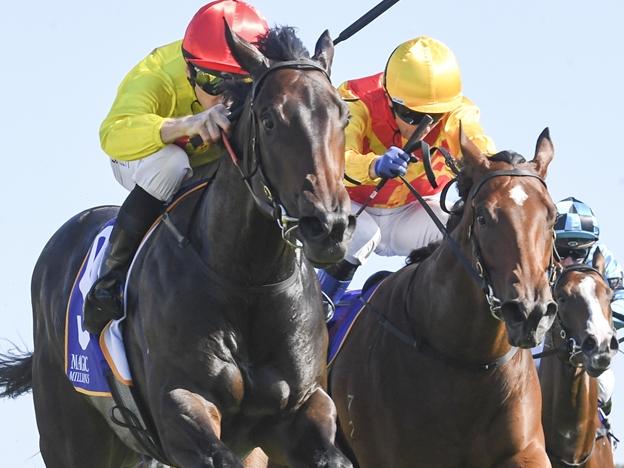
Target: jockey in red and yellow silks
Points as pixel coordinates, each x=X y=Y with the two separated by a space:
x=372 y=130
x=173 y=94
x=421 y=77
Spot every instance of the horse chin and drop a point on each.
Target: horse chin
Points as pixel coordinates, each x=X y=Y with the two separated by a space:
x=596 y=363
x=522 y=339
x=324 y=254
x=594 y=372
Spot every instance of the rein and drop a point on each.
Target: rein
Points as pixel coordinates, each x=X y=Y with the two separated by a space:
x=424 y=347
x=267 y=200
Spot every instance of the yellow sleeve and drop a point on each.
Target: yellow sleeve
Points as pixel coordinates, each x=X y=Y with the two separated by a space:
x=145 y=98
x=468 y=114
x=357 y=163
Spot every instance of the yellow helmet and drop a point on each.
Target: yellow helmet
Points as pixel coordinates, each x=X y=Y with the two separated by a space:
x=423 y=74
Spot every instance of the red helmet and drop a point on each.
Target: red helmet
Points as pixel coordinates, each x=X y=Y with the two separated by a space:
x=204 y=43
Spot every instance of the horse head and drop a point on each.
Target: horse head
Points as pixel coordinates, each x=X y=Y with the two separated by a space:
x=508 y=225
x=584 y=316
x=294 y=124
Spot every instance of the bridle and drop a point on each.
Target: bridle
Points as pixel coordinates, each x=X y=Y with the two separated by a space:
x=266 y=197
x=477 y=271
x=570 y=348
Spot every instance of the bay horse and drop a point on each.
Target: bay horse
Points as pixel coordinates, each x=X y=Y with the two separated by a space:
x=226 y=337
x=431 y=374
x=584 y=342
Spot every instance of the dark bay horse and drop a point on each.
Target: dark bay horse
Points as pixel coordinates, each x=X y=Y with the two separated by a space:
x=431 y=375
x=585 y=340
x=226 y=336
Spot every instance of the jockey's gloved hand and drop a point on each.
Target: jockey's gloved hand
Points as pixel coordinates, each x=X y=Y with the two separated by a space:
x=392 y=163
x=212 y=121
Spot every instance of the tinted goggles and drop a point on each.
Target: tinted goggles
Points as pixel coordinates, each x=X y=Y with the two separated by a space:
x=411 y=117
x=573 y=253
x=212 y=82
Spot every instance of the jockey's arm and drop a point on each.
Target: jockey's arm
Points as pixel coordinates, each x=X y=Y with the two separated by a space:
x=206 y=124
x=144 y=101
x=468 y=115
x=358 y=164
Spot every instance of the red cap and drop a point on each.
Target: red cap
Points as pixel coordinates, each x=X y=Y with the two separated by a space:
x=204 y=43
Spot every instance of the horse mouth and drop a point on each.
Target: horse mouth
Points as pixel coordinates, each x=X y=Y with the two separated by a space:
x=325 y=242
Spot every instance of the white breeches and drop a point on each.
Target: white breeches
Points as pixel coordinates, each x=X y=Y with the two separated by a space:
x=606 y=385
x=161 y=174
x=393 y=231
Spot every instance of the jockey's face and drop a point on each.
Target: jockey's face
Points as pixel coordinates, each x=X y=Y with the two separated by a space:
x=407 y=122
x=207 y=100
x=567 y=261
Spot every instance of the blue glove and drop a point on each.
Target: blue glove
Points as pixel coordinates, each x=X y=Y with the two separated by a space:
x=392 y=163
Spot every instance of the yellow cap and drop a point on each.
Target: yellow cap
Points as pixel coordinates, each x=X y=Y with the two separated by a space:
x=423 y=74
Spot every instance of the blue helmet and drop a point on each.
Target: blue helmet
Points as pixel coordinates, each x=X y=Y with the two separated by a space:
x=576 y=223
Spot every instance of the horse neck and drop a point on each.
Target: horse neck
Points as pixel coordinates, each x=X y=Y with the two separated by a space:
x=569 y=404
x=458 y=320
x=234 y=236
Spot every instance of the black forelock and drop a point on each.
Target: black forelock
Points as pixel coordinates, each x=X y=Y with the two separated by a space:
x=281 y=43
x=510 y=157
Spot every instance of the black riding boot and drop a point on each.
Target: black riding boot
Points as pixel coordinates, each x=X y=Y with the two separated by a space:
x=104 y=301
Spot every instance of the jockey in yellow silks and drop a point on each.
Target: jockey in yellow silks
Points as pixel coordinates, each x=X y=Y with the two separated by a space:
x=421 y=77
x=173 y=94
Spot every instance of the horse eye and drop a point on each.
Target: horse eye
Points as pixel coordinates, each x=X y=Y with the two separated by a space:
x=481 y=220
x=267 y=122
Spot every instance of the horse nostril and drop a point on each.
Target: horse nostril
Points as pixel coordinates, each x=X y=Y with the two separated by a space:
x=312 y=227
x=513 y=311
x=614 y=345
x=589 y=344
x=551 y=309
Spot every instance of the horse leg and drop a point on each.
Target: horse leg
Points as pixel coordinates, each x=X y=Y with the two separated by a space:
x=533 y=456
x=72 y=433
x=307 y=440
x=190 y=427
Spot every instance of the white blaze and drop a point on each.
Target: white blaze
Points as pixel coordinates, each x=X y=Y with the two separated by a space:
x=597 y=324
x=518 y=195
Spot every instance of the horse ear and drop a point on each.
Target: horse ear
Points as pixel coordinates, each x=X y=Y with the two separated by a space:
x=471 y=154
x=598 y=261
x=324 y=51
x=544 y=153
x=246 y=54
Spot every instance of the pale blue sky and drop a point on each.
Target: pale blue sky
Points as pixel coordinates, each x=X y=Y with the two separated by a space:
x=527 y=64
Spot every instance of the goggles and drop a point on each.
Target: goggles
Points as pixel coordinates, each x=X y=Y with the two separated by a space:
x=411 y=117
x=575 y=253
x=212 y=82
x=574 y=248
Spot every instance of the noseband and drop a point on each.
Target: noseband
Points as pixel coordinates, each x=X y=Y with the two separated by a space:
x=267 y=199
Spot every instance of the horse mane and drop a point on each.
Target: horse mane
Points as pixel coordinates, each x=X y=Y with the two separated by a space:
x=418 y=255
x=464 y=180
x=278 y=44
